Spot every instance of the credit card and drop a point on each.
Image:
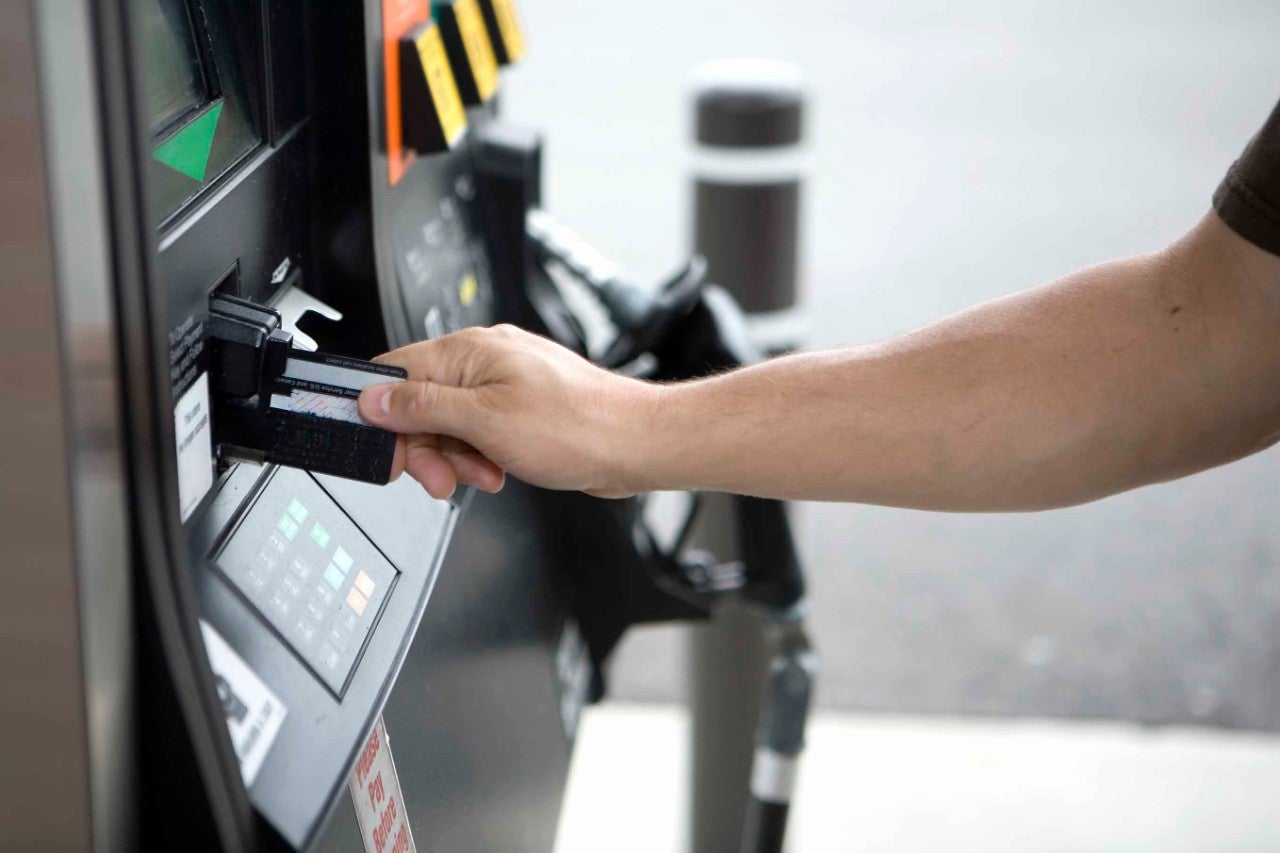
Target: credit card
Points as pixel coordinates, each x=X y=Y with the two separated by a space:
x=315 y=423
x=327 y=386
x=305 y=416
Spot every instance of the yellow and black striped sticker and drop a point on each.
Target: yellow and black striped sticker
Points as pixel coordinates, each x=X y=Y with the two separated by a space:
x=444 y=89
x=475 y=41
x=509 y=27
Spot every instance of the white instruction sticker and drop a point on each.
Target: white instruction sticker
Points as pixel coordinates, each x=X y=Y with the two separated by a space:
x=253 y=712
x=375 y=792
x=193 y=436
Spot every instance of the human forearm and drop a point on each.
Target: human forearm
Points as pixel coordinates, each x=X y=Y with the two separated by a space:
x=1120 y=375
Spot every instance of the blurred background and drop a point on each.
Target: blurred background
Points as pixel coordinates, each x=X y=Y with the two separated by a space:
x=959 y=151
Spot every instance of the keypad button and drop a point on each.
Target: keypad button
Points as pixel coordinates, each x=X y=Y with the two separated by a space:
x=298 y=511
x=319 y=535
x=315 y=609
x=305 y=630
x=330 y=657
x=337 y=637
x=333 y=577
x=301 y=569
x=356 y=601
x=281 y=603
x=342 y=560
x=365 y=584
x=288 y=527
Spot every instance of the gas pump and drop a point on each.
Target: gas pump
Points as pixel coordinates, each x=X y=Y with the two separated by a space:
x=245 y=202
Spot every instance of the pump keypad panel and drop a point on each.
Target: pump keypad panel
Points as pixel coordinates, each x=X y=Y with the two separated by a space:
x=310 y=573
x=441 y=263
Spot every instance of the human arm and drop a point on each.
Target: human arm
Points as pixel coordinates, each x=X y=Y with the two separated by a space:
x=1117 y=376
x=1120 y=375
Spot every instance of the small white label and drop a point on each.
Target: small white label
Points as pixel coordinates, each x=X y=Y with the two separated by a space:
x=194 y=437
x=254 y=713
x=376 y=795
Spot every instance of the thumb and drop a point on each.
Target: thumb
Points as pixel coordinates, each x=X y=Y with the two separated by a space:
x=421 y=407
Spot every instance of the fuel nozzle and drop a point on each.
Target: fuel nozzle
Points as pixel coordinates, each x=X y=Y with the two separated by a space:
x=642 y=316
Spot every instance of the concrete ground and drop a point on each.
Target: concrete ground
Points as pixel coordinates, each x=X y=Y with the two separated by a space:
x=961 y=151
x=903 y=784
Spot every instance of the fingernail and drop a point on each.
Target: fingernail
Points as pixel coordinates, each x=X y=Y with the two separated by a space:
x=375 y=401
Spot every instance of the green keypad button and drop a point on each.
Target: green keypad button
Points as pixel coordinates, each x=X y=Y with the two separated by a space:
x=319 y=535
x=288 y=527
x=297 y=510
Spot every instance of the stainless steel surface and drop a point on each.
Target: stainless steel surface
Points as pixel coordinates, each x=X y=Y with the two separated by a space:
x=65 y=652
x=91 y=389
x=44 y=773
x=293 y=305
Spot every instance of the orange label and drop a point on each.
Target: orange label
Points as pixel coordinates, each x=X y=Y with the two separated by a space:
x=398 y=17
x=509 y=27
x=444 y=89
x=484 y=65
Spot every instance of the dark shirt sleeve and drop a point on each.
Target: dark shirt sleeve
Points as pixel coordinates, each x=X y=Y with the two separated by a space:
x=1248 y=199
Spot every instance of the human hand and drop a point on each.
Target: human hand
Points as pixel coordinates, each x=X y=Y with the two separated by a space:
x=482 y=402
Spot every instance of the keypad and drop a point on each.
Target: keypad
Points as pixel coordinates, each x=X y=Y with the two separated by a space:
x=323 y=590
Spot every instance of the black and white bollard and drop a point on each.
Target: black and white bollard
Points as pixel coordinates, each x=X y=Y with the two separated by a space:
x=748 y=174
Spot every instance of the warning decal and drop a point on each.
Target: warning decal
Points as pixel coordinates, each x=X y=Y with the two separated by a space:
x=375 y=793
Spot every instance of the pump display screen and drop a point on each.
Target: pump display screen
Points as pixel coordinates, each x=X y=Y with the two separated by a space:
x=196 y=74
x=310 y=572
x=175 y=79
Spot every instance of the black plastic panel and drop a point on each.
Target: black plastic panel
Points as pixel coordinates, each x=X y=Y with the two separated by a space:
x=257 y=220
x=287 y=31
x=440 y=262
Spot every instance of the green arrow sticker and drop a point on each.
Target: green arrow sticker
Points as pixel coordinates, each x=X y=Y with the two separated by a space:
x=187 y=151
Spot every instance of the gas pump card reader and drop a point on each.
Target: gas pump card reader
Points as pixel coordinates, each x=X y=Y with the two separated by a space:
x=276 y=403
